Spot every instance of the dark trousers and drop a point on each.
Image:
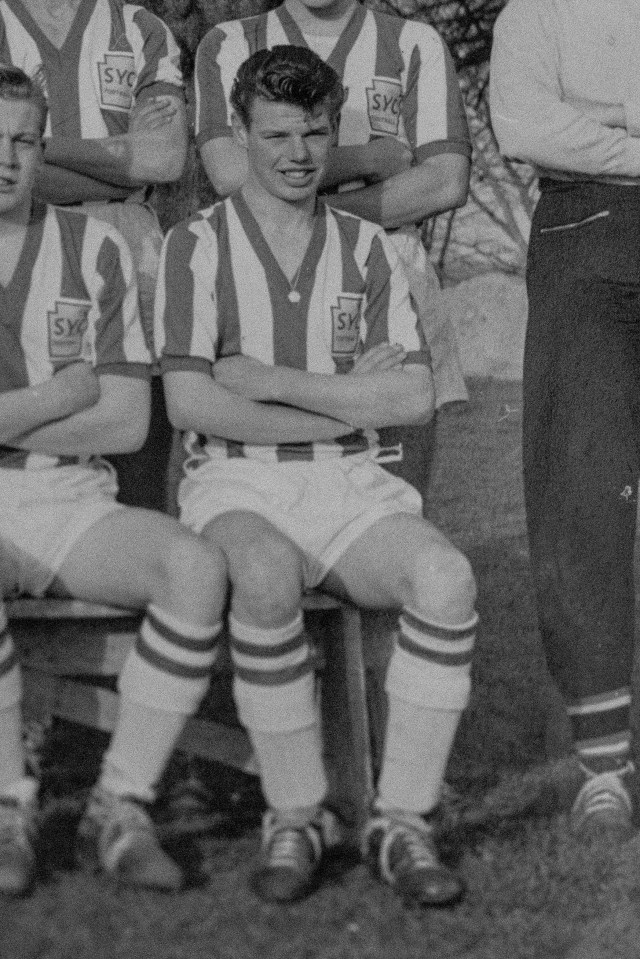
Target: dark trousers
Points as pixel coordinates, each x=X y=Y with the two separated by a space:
x=581 y=433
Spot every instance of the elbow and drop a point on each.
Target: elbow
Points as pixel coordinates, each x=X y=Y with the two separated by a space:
x=129 y=436
x=458 y=194
x=418 y=404
x=178 y=414
x=170 y=164
x=224 y=184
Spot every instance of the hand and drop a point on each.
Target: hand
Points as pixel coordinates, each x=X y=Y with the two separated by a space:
x=75 y=388
x=152 y=114
x=386 y=157
x=380 y=359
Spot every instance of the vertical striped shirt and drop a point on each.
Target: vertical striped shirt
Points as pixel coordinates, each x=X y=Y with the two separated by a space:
x=398 y=74
x=72 y=297
x=114 y=54
x=221 y=292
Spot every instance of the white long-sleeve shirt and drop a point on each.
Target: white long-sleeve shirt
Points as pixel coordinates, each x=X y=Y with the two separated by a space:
x=547 y=53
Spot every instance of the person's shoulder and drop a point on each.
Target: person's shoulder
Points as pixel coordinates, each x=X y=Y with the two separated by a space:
x=144 y=17
x=230 y=31
x=417 y=31
x=355 y=229
x=201 y=226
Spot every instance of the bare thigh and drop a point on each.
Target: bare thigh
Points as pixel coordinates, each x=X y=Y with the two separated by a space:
x=404 y=560
x=133 y=557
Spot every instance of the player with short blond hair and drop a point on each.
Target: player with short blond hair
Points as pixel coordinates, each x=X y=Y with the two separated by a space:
x=74 y=384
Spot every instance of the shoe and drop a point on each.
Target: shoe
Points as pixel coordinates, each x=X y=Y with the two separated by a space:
x=17 y=836
x=603 y=805
x=292 y=855
x=400 y=850
x=117 y=835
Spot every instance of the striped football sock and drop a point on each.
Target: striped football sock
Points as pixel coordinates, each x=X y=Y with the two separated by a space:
x=428 y=684
x=274 y=689
x=601 y=726
x=162 y=683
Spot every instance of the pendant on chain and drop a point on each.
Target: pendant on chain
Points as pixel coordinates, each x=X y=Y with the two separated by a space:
x=293 y=296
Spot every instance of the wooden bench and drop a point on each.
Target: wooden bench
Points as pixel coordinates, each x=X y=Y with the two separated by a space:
x=67 y=647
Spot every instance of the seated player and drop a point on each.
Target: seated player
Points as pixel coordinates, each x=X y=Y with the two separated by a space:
x=288 y=338
x=74 y=383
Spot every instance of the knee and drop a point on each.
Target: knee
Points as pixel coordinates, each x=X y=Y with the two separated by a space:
x=194 y=577
x=445 y=587
x=267 y=583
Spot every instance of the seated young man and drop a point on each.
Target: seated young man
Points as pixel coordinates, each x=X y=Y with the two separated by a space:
x=74 y=383
x=287 y=338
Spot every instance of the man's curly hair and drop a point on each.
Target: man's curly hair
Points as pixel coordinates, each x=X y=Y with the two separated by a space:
x=287 y=74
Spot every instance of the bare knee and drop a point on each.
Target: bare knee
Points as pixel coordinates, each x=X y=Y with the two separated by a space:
x=266 y=581
x=445 y=587
x=193 y=578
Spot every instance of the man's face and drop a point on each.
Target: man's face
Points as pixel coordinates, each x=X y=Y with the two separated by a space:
x=20 y=155
x=286 y=149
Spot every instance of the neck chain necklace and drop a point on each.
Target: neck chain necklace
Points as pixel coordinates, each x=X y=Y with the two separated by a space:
x=294 y=295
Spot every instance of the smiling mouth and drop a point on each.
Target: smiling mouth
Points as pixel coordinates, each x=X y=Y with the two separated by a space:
x=297 y=175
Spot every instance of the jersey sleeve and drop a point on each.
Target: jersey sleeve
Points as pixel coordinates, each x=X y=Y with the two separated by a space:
x=389 y=314
x=218 y=58
x=159 y=71
x=119 y=339
x=186 y=327
x=433 y=109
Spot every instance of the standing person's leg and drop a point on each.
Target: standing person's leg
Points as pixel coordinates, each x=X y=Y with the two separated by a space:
x=581 y=446
x=275 y=692
x=403 y=561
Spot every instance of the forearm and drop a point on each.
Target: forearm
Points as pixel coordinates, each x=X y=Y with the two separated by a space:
x=346 y=164
x=533 y=122
x=23 y=410
x=437 y=184
x=196 y=402
x=55 y=184
x=117 y=423
x=374 y=400
x=129 y=160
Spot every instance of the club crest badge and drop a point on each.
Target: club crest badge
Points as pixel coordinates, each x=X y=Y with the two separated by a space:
x=67 y=325
x=117 y=81
x=384 y=102
x=345 y=326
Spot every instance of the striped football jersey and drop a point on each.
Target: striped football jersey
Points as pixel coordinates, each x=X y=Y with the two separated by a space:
x=221 y=292
x=114 y=54
x=398 y=74
x=73 y=297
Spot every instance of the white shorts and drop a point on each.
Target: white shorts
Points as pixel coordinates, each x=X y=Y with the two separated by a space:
x=322 y=506
x=43 y=514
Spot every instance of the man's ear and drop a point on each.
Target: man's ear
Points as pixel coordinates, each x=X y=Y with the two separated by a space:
x=239 y=130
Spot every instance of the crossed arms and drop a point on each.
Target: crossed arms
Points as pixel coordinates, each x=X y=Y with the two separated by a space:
x=153 y=150
x=251 y=402
x=77 y=412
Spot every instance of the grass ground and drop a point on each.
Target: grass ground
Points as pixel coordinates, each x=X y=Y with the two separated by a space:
x=533 y=893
